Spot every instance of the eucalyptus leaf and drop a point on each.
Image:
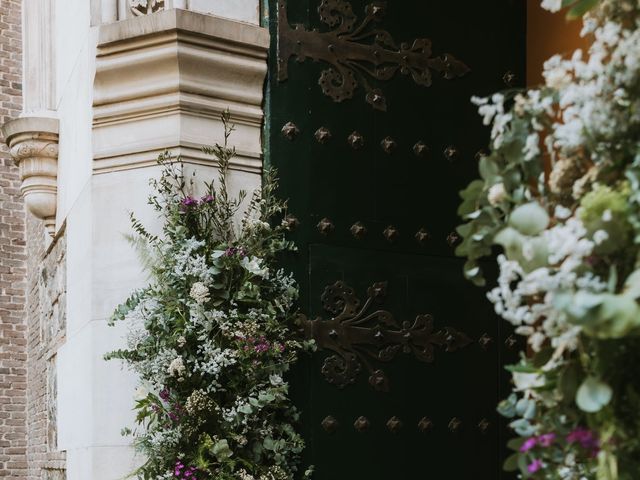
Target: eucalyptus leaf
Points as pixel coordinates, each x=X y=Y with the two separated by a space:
x=511 y=463
x=580 y=8
x=632 y=285
x=593 y=395
x=221 y=450
x=529 y=219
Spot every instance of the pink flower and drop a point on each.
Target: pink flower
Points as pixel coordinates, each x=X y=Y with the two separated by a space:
x=534 y=466
x=529 y=444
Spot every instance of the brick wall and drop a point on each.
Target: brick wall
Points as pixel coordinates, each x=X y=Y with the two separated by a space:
x=32 y=300
x=13 y=341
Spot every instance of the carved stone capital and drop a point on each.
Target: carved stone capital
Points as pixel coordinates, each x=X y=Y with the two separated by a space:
x=33 y=143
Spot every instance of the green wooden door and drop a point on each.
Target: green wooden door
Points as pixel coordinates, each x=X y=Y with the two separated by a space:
x=373 y=140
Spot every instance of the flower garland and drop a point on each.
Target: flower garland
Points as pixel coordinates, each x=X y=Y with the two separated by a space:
x=209 y=337
x=560 y=193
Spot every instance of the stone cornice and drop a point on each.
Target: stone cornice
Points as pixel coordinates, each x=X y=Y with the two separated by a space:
x=169 y=76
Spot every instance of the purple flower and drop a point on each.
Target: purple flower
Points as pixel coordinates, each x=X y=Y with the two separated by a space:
x=189 y=202
x=586 y=438
x=547 y=439
x=232 y=251
x=207 y=199
x=529 y=444
x=534 y=466
x=164 y=394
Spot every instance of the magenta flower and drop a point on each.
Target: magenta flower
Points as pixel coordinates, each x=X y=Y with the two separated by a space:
x=207 y=199
x=529 y=444
x=534 y=466
x=184 y=473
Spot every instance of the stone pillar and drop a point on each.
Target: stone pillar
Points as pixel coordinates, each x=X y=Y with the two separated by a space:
x=161 y=82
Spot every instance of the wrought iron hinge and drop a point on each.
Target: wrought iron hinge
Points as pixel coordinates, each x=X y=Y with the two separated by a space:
x=357 y=52
x=358 y=334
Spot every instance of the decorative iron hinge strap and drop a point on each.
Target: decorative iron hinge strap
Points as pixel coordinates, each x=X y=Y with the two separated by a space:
x=357 y=334
x=356 y=53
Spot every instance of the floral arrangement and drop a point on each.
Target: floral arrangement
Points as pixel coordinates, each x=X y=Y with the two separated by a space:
x=560 y=194
x=209 y=336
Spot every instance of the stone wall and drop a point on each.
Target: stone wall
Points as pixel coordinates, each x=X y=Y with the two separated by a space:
x=46 y=320
x=13 y=336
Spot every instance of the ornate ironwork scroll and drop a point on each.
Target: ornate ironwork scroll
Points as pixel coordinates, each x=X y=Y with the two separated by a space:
x=144 y=7
x=358 y=334
x=356 y=52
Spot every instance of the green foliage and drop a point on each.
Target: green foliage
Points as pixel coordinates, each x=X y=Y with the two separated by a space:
x=579 y=7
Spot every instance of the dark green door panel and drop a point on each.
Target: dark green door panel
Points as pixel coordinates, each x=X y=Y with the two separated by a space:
x=461 y=384
x=411 y=193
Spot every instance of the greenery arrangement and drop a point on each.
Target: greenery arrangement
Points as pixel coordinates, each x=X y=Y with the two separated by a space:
x=209 y=336
x=560 y=193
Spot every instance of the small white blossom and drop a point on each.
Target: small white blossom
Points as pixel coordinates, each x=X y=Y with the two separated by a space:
x=254 y=265
x=140 y=393
x=552 y=5
x=600 y=236
x=177 y=368
x=200 y=293
x=497 y=194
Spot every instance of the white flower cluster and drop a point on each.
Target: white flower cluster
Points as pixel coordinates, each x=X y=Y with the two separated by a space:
x=164 y=438
x=211 y=360
x=594 y=93
x=493 y=113
x=526 y=299
x=156 y=369
x=189 y=263
x=202 y=322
